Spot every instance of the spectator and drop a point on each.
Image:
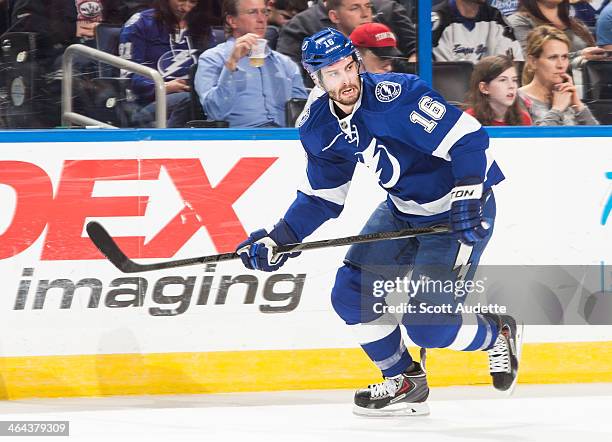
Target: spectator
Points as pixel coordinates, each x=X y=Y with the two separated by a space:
x=230 y=88
x=280 y=12
x=549 y=93
x=58 y=24
x=493 y=98
x=167 y=38
x=533 y=13
x=506 y=7
x=469 y=30
x=345 y=15
x=604 y=28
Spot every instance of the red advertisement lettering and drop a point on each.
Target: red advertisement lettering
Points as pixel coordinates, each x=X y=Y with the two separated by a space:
x=204 y=205
x=34 y=196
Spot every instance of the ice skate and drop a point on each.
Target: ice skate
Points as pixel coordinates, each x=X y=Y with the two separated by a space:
x=401 y=395
x=505 y=355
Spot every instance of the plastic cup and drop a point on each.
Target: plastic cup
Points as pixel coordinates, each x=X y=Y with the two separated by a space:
x=258 y=53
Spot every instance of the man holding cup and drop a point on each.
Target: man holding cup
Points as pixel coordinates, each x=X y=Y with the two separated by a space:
x=242 y=81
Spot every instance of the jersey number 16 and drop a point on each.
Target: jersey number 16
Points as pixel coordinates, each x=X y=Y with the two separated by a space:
x=433 y=109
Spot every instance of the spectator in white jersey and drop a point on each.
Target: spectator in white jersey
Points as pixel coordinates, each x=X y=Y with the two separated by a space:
x=467 y=30
x=506 y=7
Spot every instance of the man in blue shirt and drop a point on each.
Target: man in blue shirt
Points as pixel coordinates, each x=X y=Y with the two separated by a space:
x=604 y=28
x=231 y=89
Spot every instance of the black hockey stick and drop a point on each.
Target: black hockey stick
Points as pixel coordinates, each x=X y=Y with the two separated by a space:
x=105 y=243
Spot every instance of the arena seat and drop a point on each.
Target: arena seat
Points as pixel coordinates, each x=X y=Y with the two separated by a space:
x=452 y=80
x=107 y=40
x=597 y=80
x=602 y=110
x=293 y=109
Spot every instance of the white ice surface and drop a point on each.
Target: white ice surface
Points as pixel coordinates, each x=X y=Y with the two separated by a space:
x=577 y=413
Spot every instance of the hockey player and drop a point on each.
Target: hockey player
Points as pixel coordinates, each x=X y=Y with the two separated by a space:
x=431 y=159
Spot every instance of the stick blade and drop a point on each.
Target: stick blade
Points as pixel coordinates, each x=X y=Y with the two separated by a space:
x=105 y=243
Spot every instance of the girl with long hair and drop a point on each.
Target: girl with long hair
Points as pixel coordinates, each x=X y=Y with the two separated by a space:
x=167 y=38
x=549 y=92
x=493 y=97
x=556 y=13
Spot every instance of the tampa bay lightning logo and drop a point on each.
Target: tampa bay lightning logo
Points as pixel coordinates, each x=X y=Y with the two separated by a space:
x=387 y=91
x=377 y=157
x=174 y=64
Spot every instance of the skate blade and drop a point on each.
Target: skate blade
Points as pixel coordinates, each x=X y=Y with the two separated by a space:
x=403 y=409
x=519 y=348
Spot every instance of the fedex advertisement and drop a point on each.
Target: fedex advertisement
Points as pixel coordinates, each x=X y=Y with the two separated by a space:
x=171 y=199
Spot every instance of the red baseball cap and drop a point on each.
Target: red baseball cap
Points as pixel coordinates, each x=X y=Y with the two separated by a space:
x=376 y=37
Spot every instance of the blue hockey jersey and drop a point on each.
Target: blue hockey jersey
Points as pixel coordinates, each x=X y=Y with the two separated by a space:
x=418 y=146
x=145 y=41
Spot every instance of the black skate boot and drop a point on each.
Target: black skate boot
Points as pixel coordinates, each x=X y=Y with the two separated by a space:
x=505 y=355
x=401 y=395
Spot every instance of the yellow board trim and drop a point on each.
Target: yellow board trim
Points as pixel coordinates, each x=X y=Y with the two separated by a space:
x=233 y=371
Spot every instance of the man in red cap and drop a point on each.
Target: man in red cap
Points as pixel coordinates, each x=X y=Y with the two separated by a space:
x=377 y=46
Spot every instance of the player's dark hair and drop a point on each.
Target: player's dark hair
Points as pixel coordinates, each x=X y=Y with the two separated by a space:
x=198 y=20
x=486 y=70
x=531 y=8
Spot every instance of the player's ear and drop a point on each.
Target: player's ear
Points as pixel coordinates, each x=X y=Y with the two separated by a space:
x=315 y=80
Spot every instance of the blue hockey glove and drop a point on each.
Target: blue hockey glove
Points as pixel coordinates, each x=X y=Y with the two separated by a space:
x=256 y=251
x=466 y=219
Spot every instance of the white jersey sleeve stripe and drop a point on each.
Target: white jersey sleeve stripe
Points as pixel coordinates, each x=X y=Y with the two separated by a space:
x=433 y=207
x=466 y=124
x=336 y=195
x=425 y=209
x=490 y=160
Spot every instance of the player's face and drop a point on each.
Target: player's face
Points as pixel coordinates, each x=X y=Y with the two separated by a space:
x=252 y=18
x=551 y=65
x=341 y=81
x=502 y=89
x=180 y=8
x=352 y=13
x=374 y=64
